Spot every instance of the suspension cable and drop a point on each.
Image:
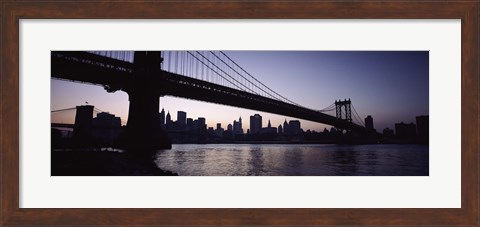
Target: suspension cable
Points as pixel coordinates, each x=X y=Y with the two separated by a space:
x=244 y=77
x=73 y=108
x=358 y=116
x=213 y=69
x=256 y=79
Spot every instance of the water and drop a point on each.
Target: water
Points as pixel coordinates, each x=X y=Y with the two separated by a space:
x=294 y=160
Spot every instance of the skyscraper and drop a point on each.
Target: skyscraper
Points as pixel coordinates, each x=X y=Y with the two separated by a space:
x=181 y=120
x=240 y=122
x=294 y=127
x=237 y=126
x=286 y=130
x=162 y=118
x=255 y=123
x=202 y=124
x=422 y=129
x=168 y=122
x=82 y=130
x=219 y=130
x=369 y=123
x=190 y=124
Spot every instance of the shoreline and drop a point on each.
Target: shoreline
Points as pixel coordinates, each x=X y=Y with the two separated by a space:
x=304 y=142
x=86 y=162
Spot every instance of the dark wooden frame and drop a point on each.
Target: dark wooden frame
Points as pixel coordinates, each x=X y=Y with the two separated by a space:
x=11 y=11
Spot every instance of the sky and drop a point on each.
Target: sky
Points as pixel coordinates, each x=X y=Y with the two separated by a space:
x=391 y=86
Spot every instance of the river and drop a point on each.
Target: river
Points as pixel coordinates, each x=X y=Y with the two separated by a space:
x=295 y=160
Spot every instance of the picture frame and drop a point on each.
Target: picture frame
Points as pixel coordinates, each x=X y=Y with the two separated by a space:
x=13 y=11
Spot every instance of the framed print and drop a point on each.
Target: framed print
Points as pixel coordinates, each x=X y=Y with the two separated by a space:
x=281 y=160
x=414 y=59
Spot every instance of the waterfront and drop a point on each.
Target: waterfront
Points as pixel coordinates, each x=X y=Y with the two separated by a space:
x=295 y=160
x=222 y=102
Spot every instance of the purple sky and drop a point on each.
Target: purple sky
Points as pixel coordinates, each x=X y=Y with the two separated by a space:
x=391 y=86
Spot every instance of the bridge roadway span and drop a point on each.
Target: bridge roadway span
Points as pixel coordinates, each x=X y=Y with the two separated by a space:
x=115 y=75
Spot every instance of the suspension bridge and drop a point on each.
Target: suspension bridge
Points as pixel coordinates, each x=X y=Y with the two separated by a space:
x=70 y=113
x=210 y=76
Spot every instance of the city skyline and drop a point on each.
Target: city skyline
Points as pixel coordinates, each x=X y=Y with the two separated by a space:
x=391 y=86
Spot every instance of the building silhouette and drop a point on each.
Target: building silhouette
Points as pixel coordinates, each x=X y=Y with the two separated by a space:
x=162 y=119
x=286 y=129
x=269 y=129
x=168 y=122
x=237 y=127
x=405 y=131
x=295 y=127
x=219 y=130
x=202 y=126
x=369 y=123
x=82 y=129
x=255 y=123
x=388 y=133
x=188 y=130
x=333 y=130
x=422 y=128
x=106 y=128
x=189 y=124
x=181 y=120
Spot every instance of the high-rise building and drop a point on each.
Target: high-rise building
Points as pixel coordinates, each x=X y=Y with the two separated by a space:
x=240 y=127
x=294 y=127
x=168 y=122
x=82 y=130
x=286 y=129
x=280 y=129
x=162 y=118
x=202 y=126
x=422 y=128
x=181 y=120
x=255 y=123
x=369 y=123
x=237 y=127
x=229 y=127
x=189 y=123
x=219 y=130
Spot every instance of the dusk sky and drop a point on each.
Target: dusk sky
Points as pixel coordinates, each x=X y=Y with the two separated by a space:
x=391 y=86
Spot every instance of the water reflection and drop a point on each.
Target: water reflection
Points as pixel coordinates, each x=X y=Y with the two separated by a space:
x=294 y=160
x=255 y=162
x=179 y=158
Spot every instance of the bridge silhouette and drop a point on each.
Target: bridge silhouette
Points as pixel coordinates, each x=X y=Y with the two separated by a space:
x=209 y=76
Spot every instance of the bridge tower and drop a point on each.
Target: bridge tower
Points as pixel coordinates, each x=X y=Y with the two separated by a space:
x=341 y=107
x=143 y=125
x=82 y=129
